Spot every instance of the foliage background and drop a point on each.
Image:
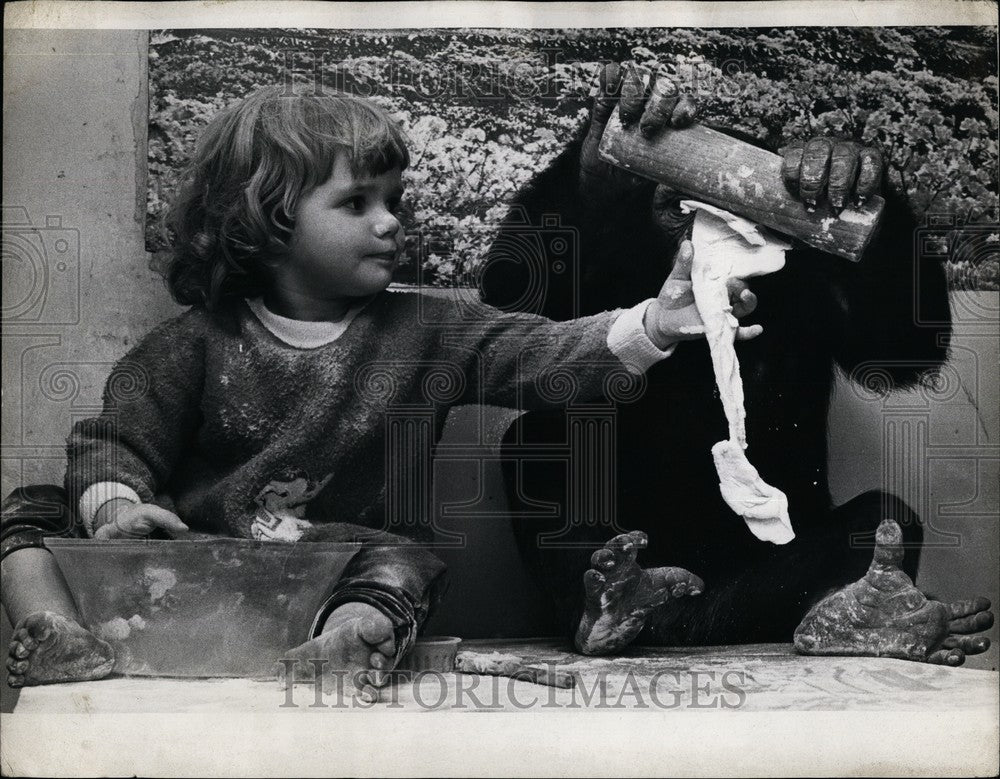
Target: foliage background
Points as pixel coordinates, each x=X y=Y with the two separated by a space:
x=487 y=109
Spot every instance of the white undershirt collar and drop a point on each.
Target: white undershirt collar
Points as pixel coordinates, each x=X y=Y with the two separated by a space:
x=299 y=333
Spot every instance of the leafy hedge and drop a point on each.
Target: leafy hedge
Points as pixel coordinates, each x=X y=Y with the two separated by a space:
x=486 y=109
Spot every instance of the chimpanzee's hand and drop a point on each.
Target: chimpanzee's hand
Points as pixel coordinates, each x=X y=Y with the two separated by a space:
x=668 y=216
x=841 y=168
x=653 y=102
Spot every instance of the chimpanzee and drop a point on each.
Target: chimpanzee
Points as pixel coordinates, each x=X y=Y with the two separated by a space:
x=883 y=319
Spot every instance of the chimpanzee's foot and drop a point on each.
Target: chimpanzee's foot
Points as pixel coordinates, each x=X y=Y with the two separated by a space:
x=884 y=615
x=48 y=648
x=620 y=594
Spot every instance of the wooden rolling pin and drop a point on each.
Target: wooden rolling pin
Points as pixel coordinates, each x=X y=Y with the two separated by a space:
x=707 y=165
x=496 y=664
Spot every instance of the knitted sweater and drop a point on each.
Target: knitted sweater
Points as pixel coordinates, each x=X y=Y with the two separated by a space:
x=242 y=434
x=211 y=411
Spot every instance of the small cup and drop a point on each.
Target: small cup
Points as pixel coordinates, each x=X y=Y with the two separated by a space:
x=432 y=653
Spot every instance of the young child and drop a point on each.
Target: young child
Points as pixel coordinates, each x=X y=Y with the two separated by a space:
x=261 y=412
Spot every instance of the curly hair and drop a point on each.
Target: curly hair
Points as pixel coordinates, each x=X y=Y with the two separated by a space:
x=235 y=206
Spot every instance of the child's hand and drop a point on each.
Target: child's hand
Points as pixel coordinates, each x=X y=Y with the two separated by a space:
x=673 y=317
x=357 y=639
x=124 y=519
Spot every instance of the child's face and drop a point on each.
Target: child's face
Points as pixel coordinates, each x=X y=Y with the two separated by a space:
x=347 y=237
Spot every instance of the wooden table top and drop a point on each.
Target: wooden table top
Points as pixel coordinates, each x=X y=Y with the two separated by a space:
x=755 y=711
x=761 y=677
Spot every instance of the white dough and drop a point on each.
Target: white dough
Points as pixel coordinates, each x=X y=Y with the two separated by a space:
x=726 y=246
x=764 y=508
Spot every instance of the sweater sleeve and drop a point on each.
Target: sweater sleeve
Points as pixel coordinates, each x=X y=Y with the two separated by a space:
x=628 y=341
x=150 y=413
x=531 y=362
x=96 y=495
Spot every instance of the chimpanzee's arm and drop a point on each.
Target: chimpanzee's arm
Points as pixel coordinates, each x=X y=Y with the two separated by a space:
x=889 y=312
x=617 y=255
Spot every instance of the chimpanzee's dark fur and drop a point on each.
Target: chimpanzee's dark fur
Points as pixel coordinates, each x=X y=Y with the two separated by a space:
x=819 y=312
